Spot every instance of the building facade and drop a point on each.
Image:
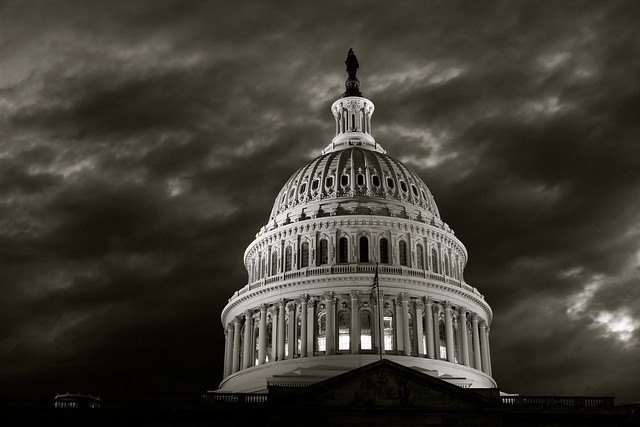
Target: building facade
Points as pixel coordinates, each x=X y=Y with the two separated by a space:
x=352 y=217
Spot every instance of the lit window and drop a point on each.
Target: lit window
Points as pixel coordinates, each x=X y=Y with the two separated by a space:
x=322 y=332
x=388 y=331
x=442 y=340
x=343 y=330
x=365 y=331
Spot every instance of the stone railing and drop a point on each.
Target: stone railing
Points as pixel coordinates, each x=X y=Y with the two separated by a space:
x=559 y=401
x=358 y=269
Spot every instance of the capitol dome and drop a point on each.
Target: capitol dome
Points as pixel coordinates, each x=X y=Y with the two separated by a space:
x=354 y=264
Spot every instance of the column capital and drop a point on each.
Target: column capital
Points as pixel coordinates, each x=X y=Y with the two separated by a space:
x=328 y=295
x=354 y=294
x=264 y=308
x=428 y=301
x=462 y=310
x=474 y=317
x=304 y=298
x=229 y=326
x=290 y=307
x=403 y=297
x=311 y=302
x=282 y=302
x=447 y=305
x=248 y=314
x=273 y=311
x=420 y=305
x=237 y=320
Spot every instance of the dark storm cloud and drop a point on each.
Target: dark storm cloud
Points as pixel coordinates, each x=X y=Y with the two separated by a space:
x=143 y=145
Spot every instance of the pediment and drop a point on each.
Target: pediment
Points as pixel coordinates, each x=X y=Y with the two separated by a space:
x=387 y=384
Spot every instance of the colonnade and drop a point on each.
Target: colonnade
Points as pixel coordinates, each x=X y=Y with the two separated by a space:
x=331 y=324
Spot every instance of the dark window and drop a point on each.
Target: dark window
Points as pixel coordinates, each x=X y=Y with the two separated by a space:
x=402 y=249
x=344 y=180
x=324 y=252
x=314 y=184
x=360 y=180
x=292 y=192
x=287 y=259
x=420 y=256
x=274 y=263
x=415 y=190
x=403 y=185
x=384 y=251
x=304 y=255
x=434 y=260
x=329 y=181
x=424 y=196
x=390 y=183
x=376 y=180
x=364 y=249
x=343 y=250
x=303 y=187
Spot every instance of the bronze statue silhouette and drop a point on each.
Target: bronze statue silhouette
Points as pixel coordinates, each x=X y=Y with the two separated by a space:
x=352 y=64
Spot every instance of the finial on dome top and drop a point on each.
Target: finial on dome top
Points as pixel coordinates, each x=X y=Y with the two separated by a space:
x=352 y=84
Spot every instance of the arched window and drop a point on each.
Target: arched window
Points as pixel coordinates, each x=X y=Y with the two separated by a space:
x=287 y=259
x=402 y=252
x=324 y=252
x=360 y=180
x=286 y=337
x=274 y=263
x=443 y=341
x=304 y=255
x=366 y=341
x=384 y=251
x=388 y=330
x=364 y=249
x=446 y=265
x=344 y=319
x=375 y=179
x=420 y=256
x=434 y=260
x=343 y=250
x=322 y=331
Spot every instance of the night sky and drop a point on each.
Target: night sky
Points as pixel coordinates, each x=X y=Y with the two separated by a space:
x=142 y=145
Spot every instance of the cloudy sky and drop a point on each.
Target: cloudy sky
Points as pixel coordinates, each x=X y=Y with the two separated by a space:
x=142 y=145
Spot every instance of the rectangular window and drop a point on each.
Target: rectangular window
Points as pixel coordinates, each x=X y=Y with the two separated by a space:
x=388 y=333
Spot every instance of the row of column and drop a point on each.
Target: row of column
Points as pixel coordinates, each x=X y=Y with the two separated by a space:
x=240 y=345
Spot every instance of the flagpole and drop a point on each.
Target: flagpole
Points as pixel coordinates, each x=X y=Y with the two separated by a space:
x=380 y=316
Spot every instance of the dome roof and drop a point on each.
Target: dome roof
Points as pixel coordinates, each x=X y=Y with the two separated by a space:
x=355 y=178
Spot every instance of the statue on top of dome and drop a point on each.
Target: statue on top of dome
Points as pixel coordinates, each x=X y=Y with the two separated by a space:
x=352 y=64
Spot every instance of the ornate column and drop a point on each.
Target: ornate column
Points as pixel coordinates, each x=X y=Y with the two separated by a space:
x=483 y=347
x=303 y=325
x=291 y=342
x=281 y=330
x=477 y=360
x=354 y=331
x=462 y=332
x=489 y=353
x=273 y=311
x=436 y=330
x=404 y=298
x=428 y=316
x=419 y=329
x=448 y=328
x=311 y=322
x=246 y=351
x=262 y=338
x=331 y=322
x=397 y=327
x=237 y=322
x=228 y=351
